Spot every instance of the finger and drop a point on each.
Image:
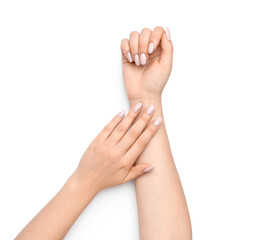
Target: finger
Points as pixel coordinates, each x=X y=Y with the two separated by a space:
x=125 y=49
x=167 y=48
x=137 y=171
x=143 y=140
x=143 y=45
x=109 y=128
x=134 y=46
x=155 y=39
x=123 y=127
x=135 y=131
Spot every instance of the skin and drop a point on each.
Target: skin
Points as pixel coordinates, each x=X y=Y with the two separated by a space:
x=108 y=161
x=163 y=212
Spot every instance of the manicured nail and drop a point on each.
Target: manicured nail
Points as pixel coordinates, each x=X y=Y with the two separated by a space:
x=150 y=47
x=158 y=122
x=121 y=114
x=150 y=109
x=130 y=57
x=137 y=107
x=168 y=34
x=136 y=59
x=148 y=169
x=143 y=59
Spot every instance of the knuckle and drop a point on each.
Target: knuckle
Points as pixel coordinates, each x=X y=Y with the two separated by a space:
x=146 y=30
x=143 y=48
x=141 y=143
x=133 y=133
x=158 y=28
x=107 y=128
x=134 y=33
x=103 y=149
x=124 y=42
x=131 y=116
x=151 y=129
x=113 y=156
x=120 y=129
x=145 y=117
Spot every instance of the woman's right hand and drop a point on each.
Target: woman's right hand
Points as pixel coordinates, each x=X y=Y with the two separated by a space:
x=110 y=158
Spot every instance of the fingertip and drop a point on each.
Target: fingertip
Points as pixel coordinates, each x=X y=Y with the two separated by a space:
x=148 y=169
x=168 y=34
x=121 y=114
x=158 y=121
x=151 y=47
x=129 y=57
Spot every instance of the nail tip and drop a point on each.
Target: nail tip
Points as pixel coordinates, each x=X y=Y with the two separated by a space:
x=121 y=114
x=158 y=121
x=148 y=169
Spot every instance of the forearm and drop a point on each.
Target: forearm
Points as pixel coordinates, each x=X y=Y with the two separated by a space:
x=57 y=217
x=163 y=212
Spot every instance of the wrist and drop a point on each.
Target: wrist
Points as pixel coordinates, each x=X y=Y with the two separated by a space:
x=83 y=188
x=147 y=100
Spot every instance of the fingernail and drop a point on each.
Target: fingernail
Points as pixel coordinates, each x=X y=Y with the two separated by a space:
x=148 y=169
x=136 y=59
x=158 y=122
x=168 y=34
x=121 y=114
x=150 y=109
x=143 y=59
x=130 y=57
x=137 y=107
x=150 y=47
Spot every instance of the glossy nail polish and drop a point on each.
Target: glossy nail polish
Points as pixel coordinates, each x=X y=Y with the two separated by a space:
x=136 y=60
x=130 y=57
x=148 y=169
x=121 y=114
x=143 y=59
x=150 y=109
x=137 y=107
x=150 y=47
x=158 y=122
x=168 y=34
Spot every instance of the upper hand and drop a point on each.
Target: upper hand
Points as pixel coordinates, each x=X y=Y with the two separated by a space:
x=147 y=63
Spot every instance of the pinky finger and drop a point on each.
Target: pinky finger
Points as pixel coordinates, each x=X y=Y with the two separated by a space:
x=108 y=129
x=125 y=49
x=137 y=171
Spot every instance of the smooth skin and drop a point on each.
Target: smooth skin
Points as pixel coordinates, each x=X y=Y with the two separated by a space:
x=162 y=208
x=108 y=161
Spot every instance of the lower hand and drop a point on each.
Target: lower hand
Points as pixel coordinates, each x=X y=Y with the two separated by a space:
x=110 y=158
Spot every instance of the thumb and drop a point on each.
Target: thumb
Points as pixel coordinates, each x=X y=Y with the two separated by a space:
x=167 y=48
x=137 y=171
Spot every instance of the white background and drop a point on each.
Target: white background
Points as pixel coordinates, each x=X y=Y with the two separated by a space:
x=61 y=82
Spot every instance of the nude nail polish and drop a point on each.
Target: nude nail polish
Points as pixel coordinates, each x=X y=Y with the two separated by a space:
x=150 y=47
x=136 y=59
x=148 y=169
x=121 y=114
x=143 y=59
x=137 y=107
x=158 y=122
x=168 y=34
x=150 y=109
x=130 y=57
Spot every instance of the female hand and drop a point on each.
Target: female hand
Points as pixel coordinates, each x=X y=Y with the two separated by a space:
x=109 y=159
x=147 y=63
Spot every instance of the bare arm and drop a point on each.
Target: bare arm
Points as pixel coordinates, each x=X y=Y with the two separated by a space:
x=163 y=212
